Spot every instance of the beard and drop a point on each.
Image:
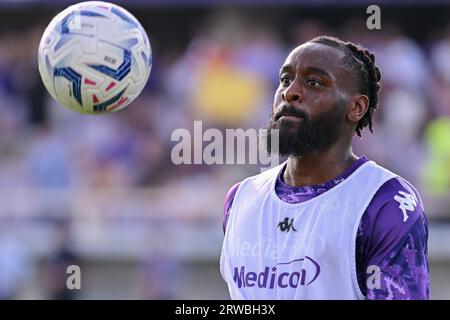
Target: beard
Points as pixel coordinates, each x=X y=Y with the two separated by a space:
x=299 y=138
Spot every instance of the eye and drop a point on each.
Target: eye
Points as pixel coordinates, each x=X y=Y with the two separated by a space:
x=285 y=80
x=314 y=83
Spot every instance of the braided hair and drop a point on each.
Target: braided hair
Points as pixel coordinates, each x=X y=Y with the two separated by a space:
x=362 y=61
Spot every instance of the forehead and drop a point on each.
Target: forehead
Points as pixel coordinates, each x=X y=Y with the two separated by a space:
x=310 y=54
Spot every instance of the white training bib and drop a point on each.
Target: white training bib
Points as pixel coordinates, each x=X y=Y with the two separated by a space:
x=277 y=250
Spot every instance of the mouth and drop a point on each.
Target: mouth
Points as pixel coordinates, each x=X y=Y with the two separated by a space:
x=290 y=117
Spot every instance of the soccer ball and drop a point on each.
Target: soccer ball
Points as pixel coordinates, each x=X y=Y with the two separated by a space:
x=94 y=57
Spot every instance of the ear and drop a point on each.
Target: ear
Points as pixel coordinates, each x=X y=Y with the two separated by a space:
x=358 y=107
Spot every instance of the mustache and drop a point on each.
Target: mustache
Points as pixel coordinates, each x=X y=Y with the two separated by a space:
x=289 y=110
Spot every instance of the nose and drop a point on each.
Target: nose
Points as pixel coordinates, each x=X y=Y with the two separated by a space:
x=292 y=93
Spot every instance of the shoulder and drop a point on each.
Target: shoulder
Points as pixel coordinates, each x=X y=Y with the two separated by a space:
x=230 y=197
x=259 y=181
x=398 y=201
x=228 y=203
x=391 y=215
x=262 y=179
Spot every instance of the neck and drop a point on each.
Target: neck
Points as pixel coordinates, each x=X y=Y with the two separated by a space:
x=318 y=166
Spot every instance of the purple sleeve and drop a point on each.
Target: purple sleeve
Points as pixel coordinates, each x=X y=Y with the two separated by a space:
x=393 y=237
x=228 y=202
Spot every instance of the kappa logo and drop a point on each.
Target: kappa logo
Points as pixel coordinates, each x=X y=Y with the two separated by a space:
x=407 y=203
x=285 y=225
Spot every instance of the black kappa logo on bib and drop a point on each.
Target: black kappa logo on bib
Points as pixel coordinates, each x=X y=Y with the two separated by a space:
x=285 y=225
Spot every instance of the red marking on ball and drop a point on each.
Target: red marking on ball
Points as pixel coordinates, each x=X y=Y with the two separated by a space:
x=88 y=81
x=112 y=84
x=119 y=103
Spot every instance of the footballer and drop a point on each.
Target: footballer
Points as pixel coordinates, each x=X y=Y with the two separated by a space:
x=325 y=224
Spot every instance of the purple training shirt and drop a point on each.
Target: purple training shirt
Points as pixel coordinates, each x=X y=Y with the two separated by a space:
x=399 y=249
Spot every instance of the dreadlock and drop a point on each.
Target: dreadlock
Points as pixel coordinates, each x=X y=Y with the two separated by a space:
x=363 y=62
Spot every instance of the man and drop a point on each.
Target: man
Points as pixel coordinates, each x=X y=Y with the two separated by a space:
x=325 y=224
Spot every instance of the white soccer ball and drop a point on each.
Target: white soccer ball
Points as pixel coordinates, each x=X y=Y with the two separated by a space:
x=94 y=57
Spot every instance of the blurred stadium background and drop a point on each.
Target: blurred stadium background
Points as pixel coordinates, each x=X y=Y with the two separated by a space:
x=102 y=192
